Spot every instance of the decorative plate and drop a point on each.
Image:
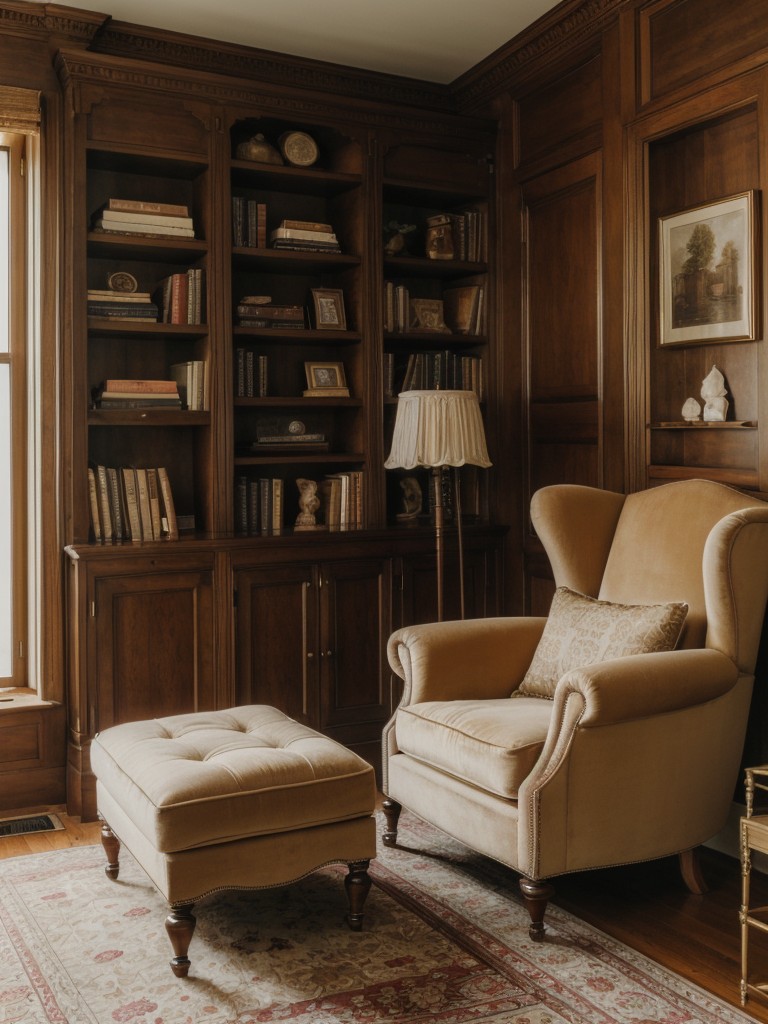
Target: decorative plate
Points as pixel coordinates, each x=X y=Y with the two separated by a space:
x=299 y=149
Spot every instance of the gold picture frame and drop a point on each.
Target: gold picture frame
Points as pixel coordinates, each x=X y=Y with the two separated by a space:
x=326 y=378
x=708 y=257
x=328 y=306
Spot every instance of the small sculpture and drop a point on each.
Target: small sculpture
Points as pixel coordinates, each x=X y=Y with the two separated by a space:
x=309 y=503
x=691 y=411
x=713 y=392
x=259 y=150
x=412 y=499
x=395 y=237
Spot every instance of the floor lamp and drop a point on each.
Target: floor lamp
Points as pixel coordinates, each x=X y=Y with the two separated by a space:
x=435 y=429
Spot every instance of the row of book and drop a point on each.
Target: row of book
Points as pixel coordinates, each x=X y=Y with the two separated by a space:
x=180 y=297
x=131 y=504
x=260 y=504
x=251 y=374
x=460 y=310
x=433 y=371
x=249 y=230
x=462 y=235
x=249 y=223
x=145 y=218
x=185 y=388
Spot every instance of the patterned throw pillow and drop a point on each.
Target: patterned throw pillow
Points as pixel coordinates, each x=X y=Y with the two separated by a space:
x=581 y=631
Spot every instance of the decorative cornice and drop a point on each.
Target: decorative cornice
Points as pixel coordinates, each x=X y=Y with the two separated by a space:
x=124 y=39
x=51 y=21
x=569 y=27
x=95 y=68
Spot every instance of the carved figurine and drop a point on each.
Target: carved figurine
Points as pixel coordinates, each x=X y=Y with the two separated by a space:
x=259 y=150
x=412 y=499
x=713 y=392
x=395 y=233
x=691 y=410
x=309 y=503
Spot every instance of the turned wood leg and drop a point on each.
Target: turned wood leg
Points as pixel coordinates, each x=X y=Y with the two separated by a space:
x=391 y=813
x=690 y=869
x=536 y=896
x=180 y=925
x=357 y=883
x=111 y=845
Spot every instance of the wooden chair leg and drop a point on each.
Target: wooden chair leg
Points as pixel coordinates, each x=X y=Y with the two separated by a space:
x=358 y=884
x=111 y=845
x=180 y=925
x=691 y=870
x=536 y=896
x=392 y=811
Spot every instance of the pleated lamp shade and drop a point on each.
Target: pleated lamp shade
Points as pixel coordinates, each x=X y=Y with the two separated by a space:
x=438 y=428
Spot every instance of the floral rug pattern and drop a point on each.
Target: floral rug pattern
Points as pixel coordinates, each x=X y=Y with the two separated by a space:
x=445 y=939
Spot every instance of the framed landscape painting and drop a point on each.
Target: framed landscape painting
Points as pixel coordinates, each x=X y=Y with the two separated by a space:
x=708 y=272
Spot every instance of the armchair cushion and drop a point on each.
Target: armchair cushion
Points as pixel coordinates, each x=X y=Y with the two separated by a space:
x=583 y=631
x=492 y=744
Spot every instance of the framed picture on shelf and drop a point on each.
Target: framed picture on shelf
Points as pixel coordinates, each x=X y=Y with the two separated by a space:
x=327 y=379
x=328 y=306
x=708 y=270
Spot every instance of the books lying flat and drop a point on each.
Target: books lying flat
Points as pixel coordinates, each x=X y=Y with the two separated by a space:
x=108 y=295
x=141 y=217
x=255 y=321
x=119 y=227
x=267 y=311
x=147 y=206
x=123 y=310
x=141 y=386
x=137 y=394
x=327 y=237
x=299 y=245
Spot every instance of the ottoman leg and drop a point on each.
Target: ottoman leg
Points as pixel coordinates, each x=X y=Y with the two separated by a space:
x=111 y=845
x=357 y=883
x=180 y=925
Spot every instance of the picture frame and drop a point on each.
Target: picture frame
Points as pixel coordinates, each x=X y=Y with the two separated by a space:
x=325 y=377
x=328 y=308
x=708 y=272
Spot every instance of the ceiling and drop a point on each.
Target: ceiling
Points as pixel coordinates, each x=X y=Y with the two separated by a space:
x=435 y=40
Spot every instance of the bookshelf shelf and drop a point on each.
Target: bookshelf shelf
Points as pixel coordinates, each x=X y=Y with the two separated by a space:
x=313 y=458
x=290 y=402
x=142 y=331
x=301 y=181
x=420 y=266
x=148 y=418
x=292 y=262
x=728 y=425
x=299 y=337
x=139 y=247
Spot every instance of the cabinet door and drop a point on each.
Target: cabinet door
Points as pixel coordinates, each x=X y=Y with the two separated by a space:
x=355 y=626
x=276 y=642
x=152 y=645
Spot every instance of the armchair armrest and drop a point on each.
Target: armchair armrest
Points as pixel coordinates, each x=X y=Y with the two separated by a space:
x=466 y=659
x=648 y=684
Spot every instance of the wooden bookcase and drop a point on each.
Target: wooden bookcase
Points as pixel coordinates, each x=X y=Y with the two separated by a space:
x=221 y=616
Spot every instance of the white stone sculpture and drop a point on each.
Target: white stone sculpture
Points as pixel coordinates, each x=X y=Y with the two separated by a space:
x=713 y=392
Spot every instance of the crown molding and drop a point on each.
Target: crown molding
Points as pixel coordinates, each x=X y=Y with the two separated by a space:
x=569 y=27
x=51 y=21
x=194 y=52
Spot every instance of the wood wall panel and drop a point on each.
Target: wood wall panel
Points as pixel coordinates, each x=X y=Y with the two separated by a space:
x=682 y=40
x=568 y=108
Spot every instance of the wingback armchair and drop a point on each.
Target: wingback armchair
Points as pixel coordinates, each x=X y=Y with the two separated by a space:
x=556 y=744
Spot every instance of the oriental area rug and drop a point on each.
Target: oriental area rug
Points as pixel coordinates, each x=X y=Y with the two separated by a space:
x=445 y=940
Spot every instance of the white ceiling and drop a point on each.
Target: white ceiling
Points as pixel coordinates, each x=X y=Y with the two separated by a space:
x=436 y=40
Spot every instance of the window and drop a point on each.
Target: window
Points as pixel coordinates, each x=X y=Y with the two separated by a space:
x=14 y=453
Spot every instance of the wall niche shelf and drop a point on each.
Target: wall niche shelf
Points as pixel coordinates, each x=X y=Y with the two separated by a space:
x=683 y=425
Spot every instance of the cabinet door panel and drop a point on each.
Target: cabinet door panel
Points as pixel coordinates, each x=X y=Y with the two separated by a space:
x=355 y=625
x=153 y=653
x=277 y=650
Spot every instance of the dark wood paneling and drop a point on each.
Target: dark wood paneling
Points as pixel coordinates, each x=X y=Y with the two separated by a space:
x=567 y=108
x=683 y=40
x=563 y=464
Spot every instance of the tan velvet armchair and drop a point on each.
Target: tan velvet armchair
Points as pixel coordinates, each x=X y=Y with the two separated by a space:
x=635 y=757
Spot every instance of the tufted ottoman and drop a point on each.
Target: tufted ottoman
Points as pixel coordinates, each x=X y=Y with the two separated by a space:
x=238 y=799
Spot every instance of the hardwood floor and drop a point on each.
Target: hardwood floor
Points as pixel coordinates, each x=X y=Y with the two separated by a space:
x=645 y=906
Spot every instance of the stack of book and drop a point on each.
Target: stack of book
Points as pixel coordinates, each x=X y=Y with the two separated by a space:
x=192 y=380
x=131 y=504
x=249 y=223
x=114 y=305
x=270 y=443
x=305 y=236
x=180 y=297
x=341 y=496
x=258 y=311
x=251 y=370
x=140 y=217
x=137 y=394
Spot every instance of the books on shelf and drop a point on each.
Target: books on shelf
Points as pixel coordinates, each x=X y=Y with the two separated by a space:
x=463 y=310
x=128 y=503
x=251 y=374
x=427 y=371
x=459 y=235
x=249 y=223
x=191 y=378
x=305 y=236
x=114 y=305
x=260 y=509
x=251 y=313
x=341 y=496
x=135 y=217
x=180 y=297
x=137 y=394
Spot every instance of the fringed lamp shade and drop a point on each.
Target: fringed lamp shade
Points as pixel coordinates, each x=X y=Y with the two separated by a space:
x=438 y=428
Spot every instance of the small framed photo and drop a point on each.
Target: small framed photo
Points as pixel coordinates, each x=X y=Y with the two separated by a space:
x=708 y=258
x=329 y=309
x=326 y=377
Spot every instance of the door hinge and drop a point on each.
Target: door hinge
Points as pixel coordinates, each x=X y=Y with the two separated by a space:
x=21 y=648
x=93 y=609
x=21 y=167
